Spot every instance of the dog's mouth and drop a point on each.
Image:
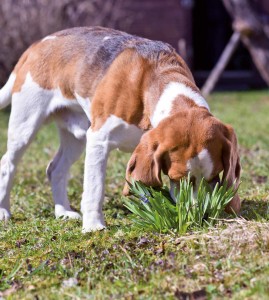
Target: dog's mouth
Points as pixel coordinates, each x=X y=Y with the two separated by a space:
x=214 y=181
x=126 y=190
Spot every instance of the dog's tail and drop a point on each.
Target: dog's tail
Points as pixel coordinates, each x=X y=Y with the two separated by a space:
x=5 y=92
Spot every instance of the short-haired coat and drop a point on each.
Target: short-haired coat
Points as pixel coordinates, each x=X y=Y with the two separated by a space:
x=107 y=89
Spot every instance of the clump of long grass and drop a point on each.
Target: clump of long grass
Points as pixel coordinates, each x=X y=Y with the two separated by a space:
x=155 y=210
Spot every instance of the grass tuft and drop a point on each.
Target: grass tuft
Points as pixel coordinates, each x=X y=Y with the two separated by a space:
x=155 y=210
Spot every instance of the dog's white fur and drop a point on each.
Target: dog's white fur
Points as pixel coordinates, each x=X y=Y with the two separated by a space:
x=5 y=92
x=200 y=166
x=49 y=37
x=165 y=103
x=85 y=104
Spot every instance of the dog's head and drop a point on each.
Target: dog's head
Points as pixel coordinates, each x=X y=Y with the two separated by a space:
x=190 y=141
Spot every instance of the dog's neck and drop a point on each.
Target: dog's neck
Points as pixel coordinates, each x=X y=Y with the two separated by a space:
x=167 y=97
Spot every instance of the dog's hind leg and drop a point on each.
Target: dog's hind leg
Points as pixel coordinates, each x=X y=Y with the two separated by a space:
x=71 y=148
x=25 y=120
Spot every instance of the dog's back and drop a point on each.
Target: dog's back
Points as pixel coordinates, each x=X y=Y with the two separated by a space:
x=73 y=56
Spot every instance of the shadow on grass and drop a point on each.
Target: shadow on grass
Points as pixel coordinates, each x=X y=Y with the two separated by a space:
x=6 y=110
x=255 y=210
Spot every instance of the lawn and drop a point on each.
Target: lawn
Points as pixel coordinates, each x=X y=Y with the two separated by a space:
x=44 y=258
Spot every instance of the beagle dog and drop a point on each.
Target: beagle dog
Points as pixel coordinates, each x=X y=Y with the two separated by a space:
x=107 y=89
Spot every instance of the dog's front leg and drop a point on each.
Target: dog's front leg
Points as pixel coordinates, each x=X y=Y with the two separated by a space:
x=97 y=151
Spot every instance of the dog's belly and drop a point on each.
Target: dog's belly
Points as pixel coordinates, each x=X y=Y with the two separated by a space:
x=69 y=114
x=130 y=138
x=115 y=131
x=74 y=121
x=117 y=134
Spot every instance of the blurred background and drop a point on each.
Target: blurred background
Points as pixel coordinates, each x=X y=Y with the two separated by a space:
x=198 y=29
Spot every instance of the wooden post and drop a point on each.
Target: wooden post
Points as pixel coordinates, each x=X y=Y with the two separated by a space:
x=252 y=22
x=221 y=64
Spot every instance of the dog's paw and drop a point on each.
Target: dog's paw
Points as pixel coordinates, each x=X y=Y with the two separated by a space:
x=67 y=214
x=4 y=214
x=92 y=228
x=93 y=221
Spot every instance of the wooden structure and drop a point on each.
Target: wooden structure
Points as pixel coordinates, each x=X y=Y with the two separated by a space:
x=251 y=26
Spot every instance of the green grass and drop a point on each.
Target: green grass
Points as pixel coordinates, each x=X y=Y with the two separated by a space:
x=155 y=210
x=44 y=258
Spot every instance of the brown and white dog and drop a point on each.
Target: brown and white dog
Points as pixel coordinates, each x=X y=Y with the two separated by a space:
x=107 y=89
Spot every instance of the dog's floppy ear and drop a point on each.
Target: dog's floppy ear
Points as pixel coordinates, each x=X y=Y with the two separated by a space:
x=145 y=164
x=231 y=166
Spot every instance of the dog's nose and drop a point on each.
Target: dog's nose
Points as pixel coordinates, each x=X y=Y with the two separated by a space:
x=126 y=190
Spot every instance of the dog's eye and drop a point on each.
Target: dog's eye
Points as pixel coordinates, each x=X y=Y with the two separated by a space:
x=174 y=149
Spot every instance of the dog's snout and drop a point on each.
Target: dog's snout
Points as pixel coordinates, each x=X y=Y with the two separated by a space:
x=126 y=190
